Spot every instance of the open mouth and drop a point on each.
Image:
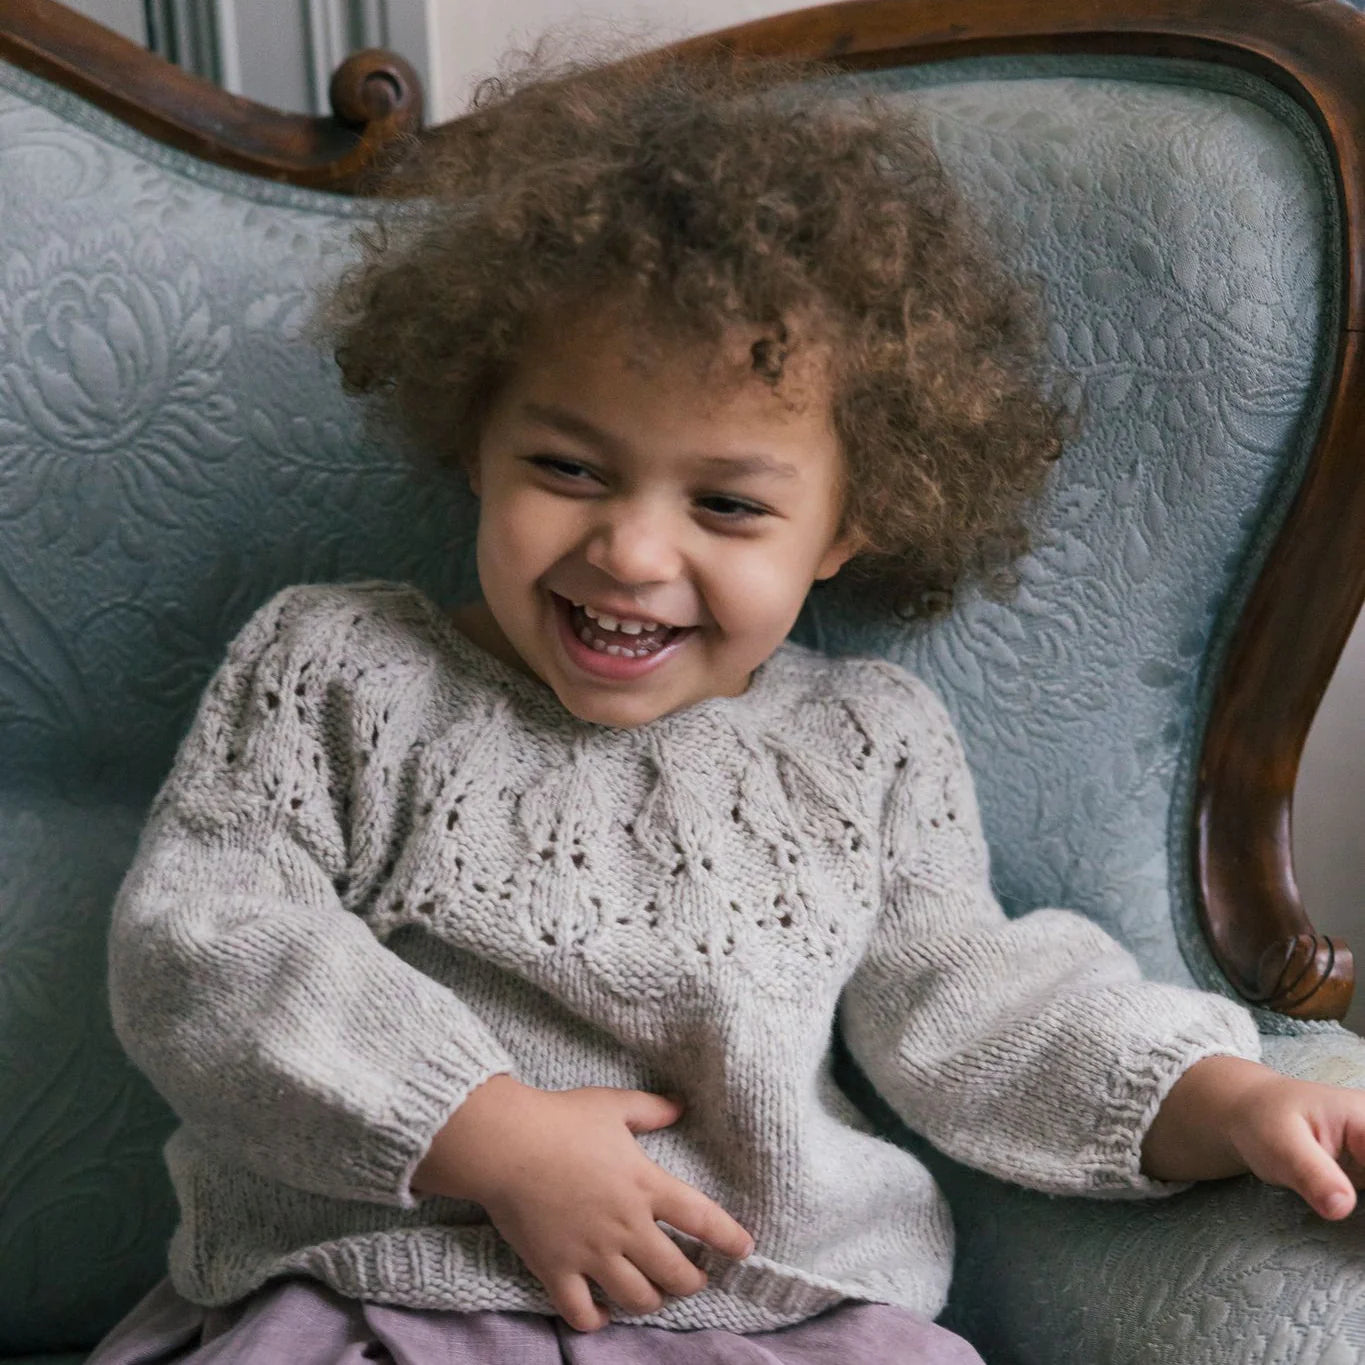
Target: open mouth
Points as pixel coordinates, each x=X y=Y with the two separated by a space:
x=608 y=647
x=629 y=639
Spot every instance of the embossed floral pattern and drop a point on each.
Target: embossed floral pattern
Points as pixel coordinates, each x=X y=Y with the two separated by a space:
x=37 y=154
x=108 y=369
x=1184 y=306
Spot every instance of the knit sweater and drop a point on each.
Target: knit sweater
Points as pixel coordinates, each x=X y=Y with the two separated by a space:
x=385 y=866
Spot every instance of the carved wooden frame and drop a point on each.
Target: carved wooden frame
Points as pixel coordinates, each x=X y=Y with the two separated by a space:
x=1305 y=601
x=376 y=98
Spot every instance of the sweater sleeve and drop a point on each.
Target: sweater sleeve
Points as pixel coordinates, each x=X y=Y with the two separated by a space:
x=1029 y=1048
x=283 y=1033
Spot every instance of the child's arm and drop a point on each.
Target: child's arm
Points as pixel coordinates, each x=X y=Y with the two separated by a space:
x=1227 y=1116
x=283 y=1033
x=1030 y=1048
x=563 y=1179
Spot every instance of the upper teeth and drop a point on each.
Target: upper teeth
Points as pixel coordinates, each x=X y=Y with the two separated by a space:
x=615 y=623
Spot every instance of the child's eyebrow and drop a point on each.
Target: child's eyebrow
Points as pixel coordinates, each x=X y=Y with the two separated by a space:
x=736 y=466
x=740 y=466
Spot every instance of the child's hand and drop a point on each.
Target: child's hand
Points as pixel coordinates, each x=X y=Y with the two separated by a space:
x=565 y=1182
x=1225 y=1116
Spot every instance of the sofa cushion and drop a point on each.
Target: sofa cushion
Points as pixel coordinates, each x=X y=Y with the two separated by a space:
x=1179 y=218
x=87 y=1211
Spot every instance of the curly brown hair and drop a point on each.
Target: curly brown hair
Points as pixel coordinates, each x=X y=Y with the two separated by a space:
x=699 y=192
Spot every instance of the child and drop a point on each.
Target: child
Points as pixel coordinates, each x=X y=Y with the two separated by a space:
x=491 y=957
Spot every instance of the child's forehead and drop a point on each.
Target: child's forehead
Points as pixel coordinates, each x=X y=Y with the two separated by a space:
x=615 y=387
x=790 y=360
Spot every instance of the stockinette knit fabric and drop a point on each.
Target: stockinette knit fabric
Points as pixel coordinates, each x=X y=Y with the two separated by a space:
x=385 y=867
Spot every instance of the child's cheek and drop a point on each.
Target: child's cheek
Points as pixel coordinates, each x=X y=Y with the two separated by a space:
x=756 y=598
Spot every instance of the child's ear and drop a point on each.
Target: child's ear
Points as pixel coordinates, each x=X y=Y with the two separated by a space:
x=838 y=554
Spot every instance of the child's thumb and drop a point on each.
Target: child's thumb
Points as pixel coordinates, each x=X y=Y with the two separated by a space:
x=646 y=1111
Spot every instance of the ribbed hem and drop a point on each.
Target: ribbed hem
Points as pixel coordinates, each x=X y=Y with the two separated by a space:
x=473 y=1269
x=477 y=1273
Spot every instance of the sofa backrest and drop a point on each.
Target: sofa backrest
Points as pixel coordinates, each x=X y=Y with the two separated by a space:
x=173 y=450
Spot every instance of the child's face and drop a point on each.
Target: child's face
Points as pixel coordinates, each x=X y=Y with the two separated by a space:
x=611 y=488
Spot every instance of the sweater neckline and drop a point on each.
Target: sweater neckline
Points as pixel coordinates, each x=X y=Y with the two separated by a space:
x=540 y=699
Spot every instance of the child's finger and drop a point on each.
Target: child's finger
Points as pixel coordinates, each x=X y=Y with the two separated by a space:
x=1311 y=1172
x=692 y=1212
x=1352 y=1168
x=662 y=1260
x=574 y=1302
x=645 y=1111
x=625 y=1284
x=1352 y=1158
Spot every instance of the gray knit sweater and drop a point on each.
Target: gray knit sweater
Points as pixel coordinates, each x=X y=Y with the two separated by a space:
x=386 y=867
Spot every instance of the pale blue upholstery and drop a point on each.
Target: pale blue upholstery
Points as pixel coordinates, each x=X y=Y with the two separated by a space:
x=172 y=451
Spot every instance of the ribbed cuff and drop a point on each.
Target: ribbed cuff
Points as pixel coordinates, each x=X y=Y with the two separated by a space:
x=1142 y=1090
x=383 y=1168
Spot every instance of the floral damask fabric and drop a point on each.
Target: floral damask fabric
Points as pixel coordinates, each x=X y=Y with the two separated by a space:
x=173 y=449
x=1229 y=1273
x=171 y=452
x=1179 y=235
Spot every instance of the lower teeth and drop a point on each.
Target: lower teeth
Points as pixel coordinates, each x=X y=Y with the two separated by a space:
x=590 y=639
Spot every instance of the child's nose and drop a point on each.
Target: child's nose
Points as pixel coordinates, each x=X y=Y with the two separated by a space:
x=635 y=545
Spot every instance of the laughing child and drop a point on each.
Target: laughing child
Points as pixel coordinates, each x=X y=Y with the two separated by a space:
x=492 y=956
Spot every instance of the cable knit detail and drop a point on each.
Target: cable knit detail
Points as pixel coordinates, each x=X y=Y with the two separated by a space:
x=385 y=867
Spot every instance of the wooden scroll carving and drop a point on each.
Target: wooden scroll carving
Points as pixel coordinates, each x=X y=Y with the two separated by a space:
x=376 y=98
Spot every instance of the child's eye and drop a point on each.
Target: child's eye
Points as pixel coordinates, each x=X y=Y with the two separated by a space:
x=567 y=469
x=732 y=509
x=727 y=509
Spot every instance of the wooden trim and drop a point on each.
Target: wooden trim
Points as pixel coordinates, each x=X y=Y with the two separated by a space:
x=376 y=98
x=1307 y=597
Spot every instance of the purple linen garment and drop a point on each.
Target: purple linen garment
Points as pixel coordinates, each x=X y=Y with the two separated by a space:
x=303 y=1322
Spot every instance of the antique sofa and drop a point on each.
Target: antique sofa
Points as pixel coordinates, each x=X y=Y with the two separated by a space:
x=1186 y=182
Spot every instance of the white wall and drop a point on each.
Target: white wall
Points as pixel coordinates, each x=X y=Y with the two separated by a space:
x=468 y=39
x=124 y=16
x=1329 y=814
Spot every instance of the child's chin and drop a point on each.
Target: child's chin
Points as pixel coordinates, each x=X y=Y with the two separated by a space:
x=622 y=712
